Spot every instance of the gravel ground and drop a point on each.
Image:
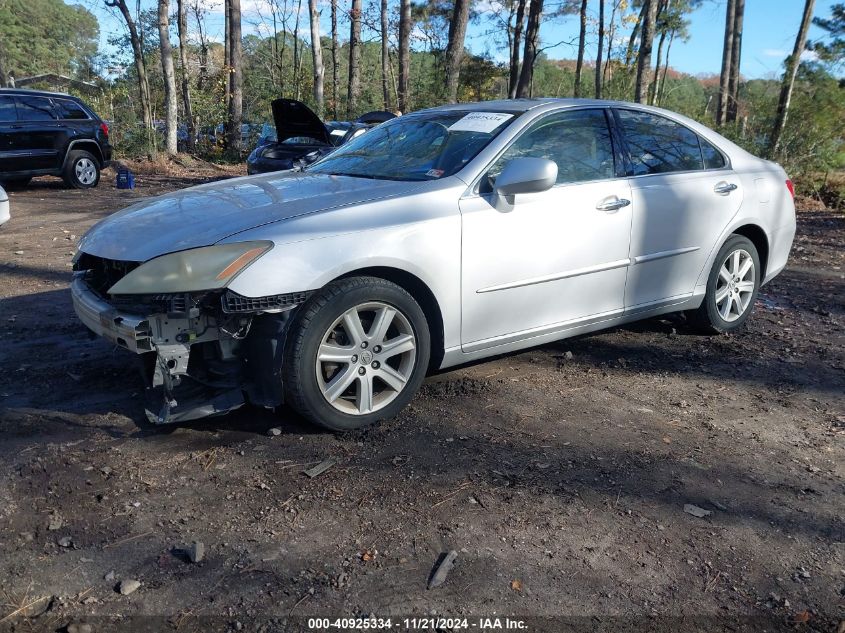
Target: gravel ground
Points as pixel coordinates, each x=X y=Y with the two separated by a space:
x=559 y=475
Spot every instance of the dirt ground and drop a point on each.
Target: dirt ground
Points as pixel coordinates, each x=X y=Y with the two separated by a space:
x=558 y=475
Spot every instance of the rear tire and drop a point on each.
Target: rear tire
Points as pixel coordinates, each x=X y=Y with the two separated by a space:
x=82 y=170
x=732 y=287
x=357 y=353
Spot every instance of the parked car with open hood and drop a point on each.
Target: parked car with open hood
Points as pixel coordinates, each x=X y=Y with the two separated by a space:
x=302 y=138
x=438 y=238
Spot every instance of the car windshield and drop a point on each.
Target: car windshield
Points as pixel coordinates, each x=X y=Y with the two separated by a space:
x=422 y=146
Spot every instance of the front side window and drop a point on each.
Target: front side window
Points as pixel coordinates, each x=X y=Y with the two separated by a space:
x=577 y=141
x=659 y=145
x=420 y=146
x=35 y=109
x=67 y=109
x=7 y=110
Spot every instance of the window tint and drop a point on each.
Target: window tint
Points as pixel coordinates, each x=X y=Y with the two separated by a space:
x=578 y=141
x=713 y=158
x=69 y=109
x=35 y=109
x=658 y=145
x=7 y=110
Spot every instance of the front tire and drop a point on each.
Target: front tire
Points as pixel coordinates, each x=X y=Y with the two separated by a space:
x=732 y=287
x=357 y=353
x=82 y=170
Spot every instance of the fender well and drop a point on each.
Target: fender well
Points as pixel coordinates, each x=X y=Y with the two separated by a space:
x=89 y=146
x=417 y=288
x=760 y=241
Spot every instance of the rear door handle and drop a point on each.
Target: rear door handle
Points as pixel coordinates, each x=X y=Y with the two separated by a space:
x=724 y=187
x=612 y=204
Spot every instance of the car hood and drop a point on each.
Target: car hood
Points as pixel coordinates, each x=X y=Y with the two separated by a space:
x=204 y=215
x=294 y=119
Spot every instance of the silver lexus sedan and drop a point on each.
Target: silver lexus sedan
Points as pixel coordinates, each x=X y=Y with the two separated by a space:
x=440 y=237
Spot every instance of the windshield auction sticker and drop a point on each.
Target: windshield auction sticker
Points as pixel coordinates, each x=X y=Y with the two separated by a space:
x=480 y=122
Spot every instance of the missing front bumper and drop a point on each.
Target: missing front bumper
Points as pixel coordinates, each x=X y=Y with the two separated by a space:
x=201 y=363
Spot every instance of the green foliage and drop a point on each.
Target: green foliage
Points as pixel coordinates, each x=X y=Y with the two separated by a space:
x=41 y=36
x=833 y=50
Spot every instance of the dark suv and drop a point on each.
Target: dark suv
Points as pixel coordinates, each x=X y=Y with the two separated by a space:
x=50 y=134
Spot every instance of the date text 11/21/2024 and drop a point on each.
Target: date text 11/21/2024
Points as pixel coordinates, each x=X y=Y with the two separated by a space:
x=418 y=624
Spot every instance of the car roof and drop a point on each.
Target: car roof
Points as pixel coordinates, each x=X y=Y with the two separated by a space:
x=524 y=105
x=26 y=92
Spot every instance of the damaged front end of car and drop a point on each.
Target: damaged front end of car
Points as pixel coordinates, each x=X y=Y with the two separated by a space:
x=203 y=352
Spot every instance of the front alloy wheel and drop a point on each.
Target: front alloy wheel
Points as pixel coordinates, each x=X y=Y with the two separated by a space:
x=366 y=358
x=356 y=353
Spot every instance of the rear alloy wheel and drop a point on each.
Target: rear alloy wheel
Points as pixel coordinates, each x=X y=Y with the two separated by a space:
x=357 y=353
x=82 y=171
x=731 y=287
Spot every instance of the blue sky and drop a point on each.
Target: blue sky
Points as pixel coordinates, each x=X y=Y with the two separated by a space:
x=768 y=34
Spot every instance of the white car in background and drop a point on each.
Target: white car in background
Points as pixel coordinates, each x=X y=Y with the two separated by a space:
x=4 y=207
x=440 y=237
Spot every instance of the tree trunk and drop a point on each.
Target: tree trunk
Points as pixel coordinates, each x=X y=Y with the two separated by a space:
x=334 y=59
x=138 y=54
x=227 y=55
x=297 y=54
x=635 y=33
x=182 y=23
x=791 y=70
x=653 y=89
x=3 y=77
x=455 y=48
x=404 y=55
x=736 y=54
x=529 y=55
x=317 y=54
x=354 y=89
x=203 y=46
x=517 y=41
x=644 y=55
x=665 y=68
x=727 y=53
x=169 y=77
x=582 y=36
x=385 y=57
x=610 y=34
x=599 y=49
x=236 y=112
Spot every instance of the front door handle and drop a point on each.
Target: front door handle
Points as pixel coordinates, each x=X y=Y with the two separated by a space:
x=612 y=204
x=724 y=188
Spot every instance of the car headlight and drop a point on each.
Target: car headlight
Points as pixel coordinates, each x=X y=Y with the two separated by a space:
x=207 y=268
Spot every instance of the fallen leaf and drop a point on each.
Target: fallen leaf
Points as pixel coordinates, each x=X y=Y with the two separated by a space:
x=801 y=617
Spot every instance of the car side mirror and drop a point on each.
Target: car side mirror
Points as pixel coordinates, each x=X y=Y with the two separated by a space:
x=526 y=175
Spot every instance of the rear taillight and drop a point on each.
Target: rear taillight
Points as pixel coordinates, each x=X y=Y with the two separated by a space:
x=105 y=129
x=791 y=188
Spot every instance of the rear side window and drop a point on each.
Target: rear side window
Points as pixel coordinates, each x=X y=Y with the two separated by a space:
x=7 y=110
x=713 y=158
x=659 y=145
x=69 y=109
x=35 y=109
